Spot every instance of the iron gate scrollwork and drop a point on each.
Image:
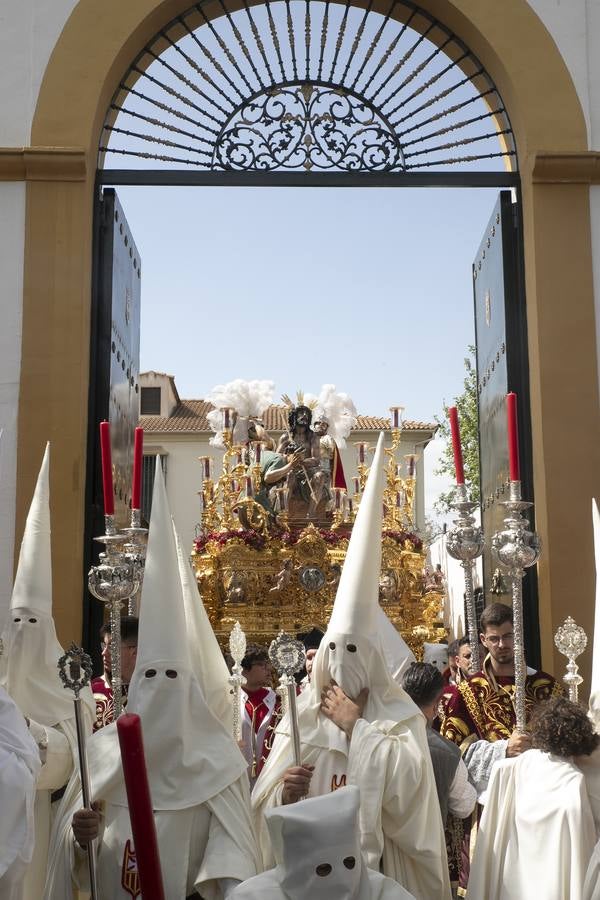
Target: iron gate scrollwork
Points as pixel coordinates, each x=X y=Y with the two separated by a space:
x=285 y=85
x=308 y=126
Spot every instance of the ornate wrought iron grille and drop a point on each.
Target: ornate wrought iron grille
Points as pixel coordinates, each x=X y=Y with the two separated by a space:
x=292 y=85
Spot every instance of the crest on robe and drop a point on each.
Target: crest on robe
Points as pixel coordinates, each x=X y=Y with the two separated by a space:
x=130 y=877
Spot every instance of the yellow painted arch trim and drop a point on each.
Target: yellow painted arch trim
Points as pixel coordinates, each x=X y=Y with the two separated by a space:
x=98 y=44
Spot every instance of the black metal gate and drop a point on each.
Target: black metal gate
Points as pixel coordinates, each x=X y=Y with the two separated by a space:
x=502 y=366
x=114 y=371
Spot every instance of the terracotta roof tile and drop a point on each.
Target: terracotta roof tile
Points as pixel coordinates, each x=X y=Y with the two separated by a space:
x=189 y=416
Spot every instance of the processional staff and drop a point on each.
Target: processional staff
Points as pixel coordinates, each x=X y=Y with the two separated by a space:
x=118 y=575
x=465 y=540
x=517 y=548
x=288 y=656
x=237 y=648
x=75 y=671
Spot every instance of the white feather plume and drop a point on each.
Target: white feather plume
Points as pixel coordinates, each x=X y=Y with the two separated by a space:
x=338 y=410
x=248 y=398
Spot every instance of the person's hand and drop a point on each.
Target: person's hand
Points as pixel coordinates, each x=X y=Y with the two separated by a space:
x=86 y=825
x=342 y=710
x=518 y=743
x=296 y=457
x=296 y=783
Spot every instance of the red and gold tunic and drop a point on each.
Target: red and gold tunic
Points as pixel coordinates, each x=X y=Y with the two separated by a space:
x=481 y=707
x=103 y=695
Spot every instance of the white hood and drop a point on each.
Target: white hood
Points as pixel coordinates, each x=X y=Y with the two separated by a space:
x=320 y=835
x=28 y=665
x=190 y=756
x=207 y=659
x=352 y=650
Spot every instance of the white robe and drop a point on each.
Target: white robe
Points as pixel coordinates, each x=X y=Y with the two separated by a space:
x=196 y=847
x=19 y=768
x=591 y=888
x=536 y=834
x=199 y=847
x=400 y=818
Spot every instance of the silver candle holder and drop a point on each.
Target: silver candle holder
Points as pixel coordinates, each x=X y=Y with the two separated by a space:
x=517 y=548
x=135 y=554
x=113 y=581
x=571 y=640
x=465 y=543
x=237 y=648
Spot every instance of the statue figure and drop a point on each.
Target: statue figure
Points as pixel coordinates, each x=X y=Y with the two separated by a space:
x=274 y=468
x=305 y=481
x=336 y=573
x=283 y=577
x=429 y=580
x=388 y=587
x=498 y=586
x=258 y=432
x=235 y=591
x=331 y=462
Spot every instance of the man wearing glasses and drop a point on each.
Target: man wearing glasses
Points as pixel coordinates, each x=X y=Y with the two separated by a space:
x=480 y=715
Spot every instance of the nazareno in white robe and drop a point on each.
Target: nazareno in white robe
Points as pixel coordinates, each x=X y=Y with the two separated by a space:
x=536 y=835
x=19 y=769
x=316 y=845
x=387 y=758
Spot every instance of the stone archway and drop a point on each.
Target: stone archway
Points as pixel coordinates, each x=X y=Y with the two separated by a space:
x=91 y=55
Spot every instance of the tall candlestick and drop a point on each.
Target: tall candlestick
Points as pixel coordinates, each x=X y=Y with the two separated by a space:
x=138 y=457
x=456 y=446
x=143 y=827
x=226 y=417
x=107 y=480
x=513 y=437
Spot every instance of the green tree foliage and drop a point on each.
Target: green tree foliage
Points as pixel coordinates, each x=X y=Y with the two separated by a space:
x=466 y=404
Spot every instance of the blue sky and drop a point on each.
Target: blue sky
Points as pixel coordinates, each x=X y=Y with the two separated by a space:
x=367 y=288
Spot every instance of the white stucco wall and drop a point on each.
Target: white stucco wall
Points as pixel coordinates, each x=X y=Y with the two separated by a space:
x=28 y=32
x=12 y=239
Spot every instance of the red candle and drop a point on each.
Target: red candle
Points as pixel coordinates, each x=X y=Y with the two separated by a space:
x=107 y=481
x=226 y=417
x=411 y=466
x=257 y=452
x=456 y=447
x=138 y=456
x=141 y=816
x=513 y=437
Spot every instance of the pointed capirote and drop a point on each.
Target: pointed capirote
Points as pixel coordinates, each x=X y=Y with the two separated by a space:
x=207 y=660
x=355 y=610
x=162 y=630
x=33 y=582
